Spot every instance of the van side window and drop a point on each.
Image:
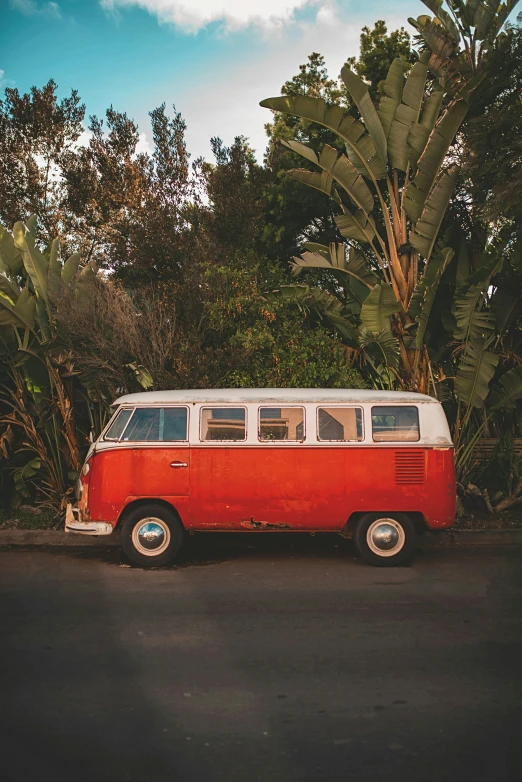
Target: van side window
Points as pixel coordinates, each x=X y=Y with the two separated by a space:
x=281 y=423
x=339 y=424
x=395 y=424
x=115 y=430
x=223 y=423
x=157 y=424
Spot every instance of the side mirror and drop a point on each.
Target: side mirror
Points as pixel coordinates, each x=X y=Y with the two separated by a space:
x=91 y=437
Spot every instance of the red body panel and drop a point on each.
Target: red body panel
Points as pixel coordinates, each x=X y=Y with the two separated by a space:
x=121 y=475
x=269 y=487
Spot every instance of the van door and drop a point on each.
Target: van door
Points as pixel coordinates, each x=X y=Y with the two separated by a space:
x=160 y=461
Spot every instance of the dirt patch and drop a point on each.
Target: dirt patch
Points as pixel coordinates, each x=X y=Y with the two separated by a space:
x=28 y=518
x=481 y=519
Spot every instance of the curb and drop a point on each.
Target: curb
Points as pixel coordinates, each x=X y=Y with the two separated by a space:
x=472 y=537
x=38 y=537
x=481 y=537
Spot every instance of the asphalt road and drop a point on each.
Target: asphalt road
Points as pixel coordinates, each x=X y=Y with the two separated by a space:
x=274 y=659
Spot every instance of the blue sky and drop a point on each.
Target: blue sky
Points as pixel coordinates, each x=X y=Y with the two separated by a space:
x=214 y=59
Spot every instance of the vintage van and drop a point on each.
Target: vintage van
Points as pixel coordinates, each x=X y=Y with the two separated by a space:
x=376 y=466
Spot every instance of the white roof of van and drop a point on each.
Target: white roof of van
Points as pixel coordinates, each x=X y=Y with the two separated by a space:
x=276 y=396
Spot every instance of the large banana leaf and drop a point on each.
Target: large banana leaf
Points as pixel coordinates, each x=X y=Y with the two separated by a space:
x=472 y=323
x=426 y=230
x=419 y=132
x=407 y=113
x=322 y=181
x=21 y=313
x=10 y=256
x=424 y=294
x=382 y=346
x=36 y=264
x=392 y=94
x=436 y=7
x=377 y=308
x=429 y=163
x=70 y=268
x=506 y=390
x=359 y=145
x=442 y=47
x=9 y=287
x=362 y=99
x=475 y=371
x=334 y=259
x=357 y=226
x=340 y=168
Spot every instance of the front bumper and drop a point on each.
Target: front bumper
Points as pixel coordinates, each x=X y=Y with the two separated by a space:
x=75 y=523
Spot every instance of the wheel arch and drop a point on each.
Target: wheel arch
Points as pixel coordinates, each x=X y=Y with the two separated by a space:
x=418 y=519
x=142 y=502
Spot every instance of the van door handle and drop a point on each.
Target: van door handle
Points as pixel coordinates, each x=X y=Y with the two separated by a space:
x=179 y=464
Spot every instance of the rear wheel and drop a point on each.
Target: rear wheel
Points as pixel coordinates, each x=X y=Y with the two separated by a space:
x=151 y=536
x=385 y=540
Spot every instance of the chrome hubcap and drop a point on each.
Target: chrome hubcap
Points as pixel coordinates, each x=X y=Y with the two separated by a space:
x=151 y=536
x=385 y=537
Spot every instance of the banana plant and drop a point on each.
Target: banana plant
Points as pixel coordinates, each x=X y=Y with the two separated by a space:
x=458 y=38
x=38 y=394
x=28 y=310
x=392 y=188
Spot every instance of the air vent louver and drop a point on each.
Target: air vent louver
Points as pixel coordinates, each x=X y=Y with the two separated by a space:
x=410 y=467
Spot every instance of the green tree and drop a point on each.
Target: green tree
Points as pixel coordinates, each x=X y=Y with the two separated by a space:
x=377 y=52
x=36 y=130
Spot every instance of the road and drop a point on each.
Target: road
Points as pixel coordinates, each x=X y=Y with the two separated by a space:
x=273 y=658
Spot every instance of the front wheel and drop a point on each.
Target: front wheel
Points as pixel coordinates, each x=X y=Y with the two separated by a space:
x=385 y=540
x=151 y=536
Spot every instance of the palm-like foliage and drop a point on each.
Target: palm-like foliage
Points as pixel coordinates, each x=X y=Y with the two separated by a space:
x=37 y=406
x=392 y=190
x=457 y=39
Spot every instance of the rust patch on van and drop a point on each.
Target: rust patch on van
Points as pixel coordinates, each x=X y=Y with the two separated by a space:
x=252 y=524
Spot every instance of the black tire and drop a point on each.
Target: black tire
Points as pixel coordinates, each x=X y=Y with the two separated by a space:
x=399 y=529
x=164 y=534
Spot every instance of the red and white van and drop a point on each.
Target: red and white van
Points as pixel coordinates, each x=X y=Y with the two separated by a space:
x=376 y=466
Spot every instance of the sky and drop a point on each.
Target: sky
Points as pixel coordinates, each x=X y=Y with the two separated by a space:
x=213 y=59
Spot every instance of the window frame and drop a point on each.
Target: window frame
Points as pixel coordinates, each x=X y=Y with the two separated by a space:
x=280 y=407
x=339 y=407
x=386 y=442
x=206 y=406
x=150 y=442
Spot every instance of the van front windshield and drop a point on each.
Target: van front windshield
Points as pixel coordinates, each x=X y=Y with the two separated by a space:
x=151 y=424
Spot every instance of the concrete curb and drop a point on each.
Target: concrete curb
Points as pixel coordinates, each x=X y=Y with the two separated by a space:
x=473 y=537
x=52 y=537
x=480 y=537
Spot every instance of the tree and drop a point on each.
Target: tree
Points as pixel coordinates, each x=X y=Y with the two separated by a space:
x=492 y=137
x=36 y=130
x=378 y=51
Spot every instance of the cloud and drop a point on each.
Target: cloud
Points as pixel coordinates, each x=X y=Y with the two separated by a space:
x=5 y=82
x=193 y=15
x=226 y=102
x=31 y=7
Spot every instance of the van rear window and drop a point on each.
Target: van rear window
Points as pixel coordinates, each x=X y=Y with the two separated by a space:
x=339 y=424
x=281 y=423
x=395 y=424
x=223 y=423
x=153 y=424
